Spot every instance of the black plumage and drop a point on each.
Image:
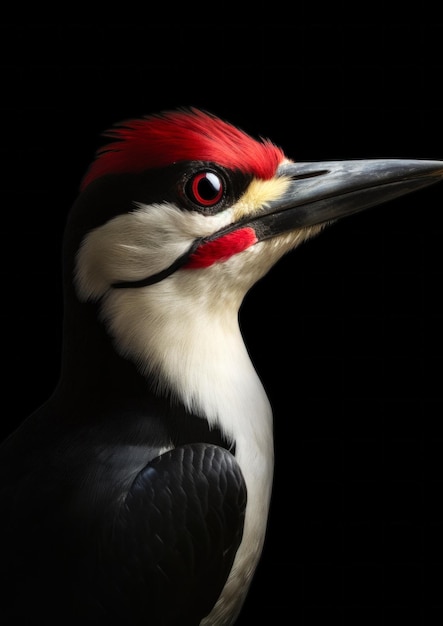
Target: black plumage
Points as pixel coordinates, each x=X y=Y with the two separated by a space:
x=139 y=492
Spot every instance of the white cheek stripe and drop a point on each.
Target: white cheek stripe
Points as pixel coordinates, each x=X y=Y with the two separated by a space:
x=132 y=246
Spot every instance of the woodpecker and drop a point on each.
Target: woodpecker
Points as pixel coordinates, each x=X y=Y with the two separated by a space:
x=139 y=492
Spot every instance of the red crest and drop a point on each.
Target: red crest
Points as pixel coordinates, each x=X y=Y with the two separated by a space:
x=182 y=135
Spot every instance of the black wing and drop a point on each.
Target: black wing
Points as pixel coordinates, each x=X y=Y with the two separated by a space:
x=166 y=556
x=93 y=532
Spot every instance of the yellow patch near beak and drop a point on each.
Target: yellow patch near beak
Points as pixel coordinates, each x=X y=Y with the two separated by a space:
x=258 y=194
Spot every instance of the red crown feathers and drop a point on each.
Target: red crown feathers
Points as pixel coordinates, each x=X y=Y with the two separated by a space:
x=182 y=135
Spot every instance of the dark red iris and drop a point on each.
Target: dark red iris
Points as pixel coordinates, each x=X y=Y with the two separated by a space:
x=206 y=188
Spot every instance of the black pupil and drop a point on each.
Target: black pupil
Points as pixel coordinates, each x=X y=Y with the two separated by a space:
x=208 y=187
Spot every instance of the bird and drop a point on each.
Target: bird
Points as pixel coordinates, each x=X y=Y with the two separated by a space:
x=139 y=492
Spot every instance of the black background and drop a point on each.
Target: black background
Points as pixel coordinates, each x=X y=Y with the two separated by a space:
x=346 y=332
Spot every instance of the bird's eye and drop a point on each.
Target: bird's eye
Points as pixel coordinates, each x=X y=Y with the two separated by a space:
x=205 y=188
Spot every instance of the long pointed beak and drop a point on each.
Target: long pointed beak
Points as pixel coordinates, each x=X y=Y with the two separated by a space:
x=326 y=191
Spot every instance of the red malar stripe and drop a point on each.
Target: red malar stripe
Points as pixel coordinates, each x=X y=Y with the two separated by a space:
x=222 y=249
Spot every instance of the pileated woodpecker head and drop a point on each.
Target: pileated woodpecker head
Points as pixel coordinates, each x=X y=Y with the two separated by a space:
x=182 y=213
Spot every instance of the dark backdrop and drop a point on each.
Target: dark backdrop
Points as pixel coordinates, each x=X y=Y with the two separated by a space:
x=346 y=332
